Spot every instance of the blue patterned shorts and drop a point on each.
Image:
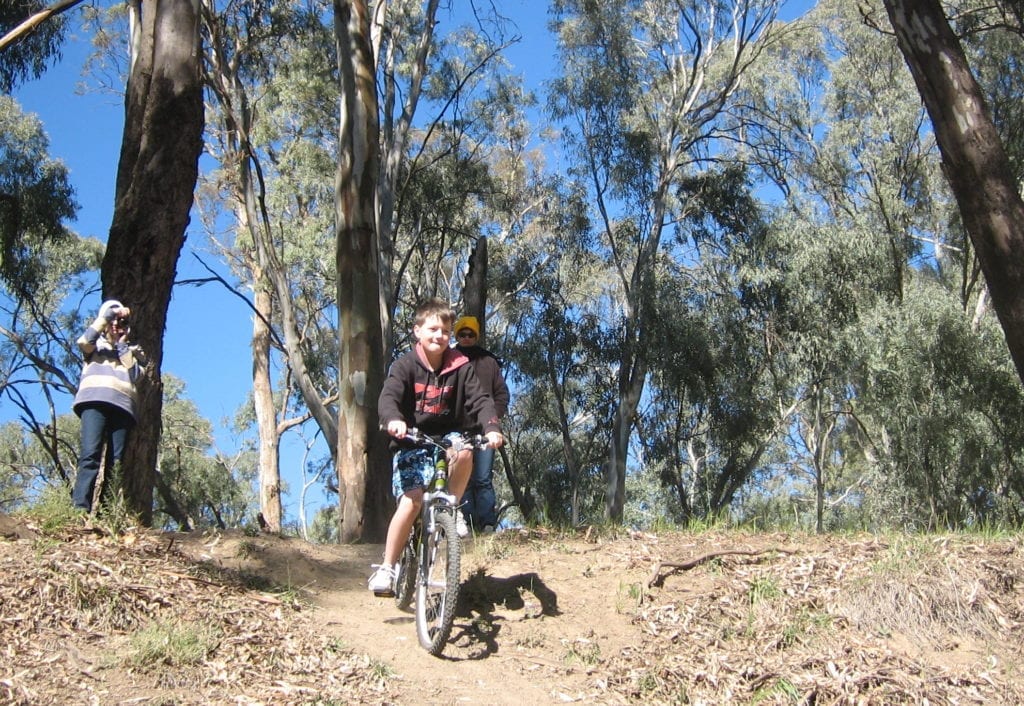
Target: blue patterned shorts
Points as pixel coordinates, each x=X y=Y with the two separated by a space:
x=411 y=469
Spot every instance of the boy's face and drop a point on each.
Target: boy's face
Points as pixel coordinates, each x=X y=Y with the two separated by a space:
x=433 y=335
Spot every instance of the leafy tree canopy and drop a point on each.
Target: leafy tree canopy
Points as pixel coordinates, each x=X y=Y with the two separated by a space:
x=27 y=57
x=36 y=197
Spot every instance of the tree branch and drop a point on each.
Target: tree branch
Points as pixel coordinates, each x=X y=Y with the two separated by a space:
x=217 y=278
x=656 y=579
x=22 y=30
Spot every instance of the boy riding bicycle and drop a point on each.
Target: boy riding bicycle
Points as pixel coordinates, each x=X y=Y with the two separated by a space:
x=434 y=388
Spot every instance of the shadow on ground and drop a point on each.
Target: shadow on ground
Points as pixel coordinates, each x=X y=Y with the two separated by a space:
x=485 y=602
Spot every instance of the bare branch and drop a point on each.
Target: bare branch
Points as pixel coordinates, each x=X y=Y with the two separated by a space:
x=26 y=27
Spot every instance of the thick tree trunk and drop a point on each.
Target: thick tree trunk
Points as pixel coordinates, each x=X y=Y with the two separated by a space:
x=156 y=177
x=973 y=157
x=363 y=470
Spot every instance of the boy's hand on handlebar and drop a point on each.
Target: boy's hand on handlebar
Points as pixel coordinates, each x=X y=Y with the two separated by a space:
x=397 y=428
x=495 y=440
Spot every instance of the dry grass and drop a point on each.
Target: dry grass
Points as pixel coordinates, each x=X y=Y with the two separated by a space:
x=722 y=617
x=89 y=618
x=936 y=622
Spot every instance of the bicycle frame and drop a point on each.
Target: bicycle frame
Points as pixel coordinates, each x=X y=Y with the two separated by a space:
x=429 y=566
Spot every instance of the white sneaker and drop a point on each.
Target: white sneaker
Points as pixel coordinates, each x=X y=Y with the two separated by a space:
x=382 y=582
x=460 y=525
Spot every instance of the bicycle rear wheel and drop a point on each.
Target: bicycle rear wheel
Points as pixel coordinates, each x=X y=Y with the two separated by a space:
x=405 y=583
x=438 y=591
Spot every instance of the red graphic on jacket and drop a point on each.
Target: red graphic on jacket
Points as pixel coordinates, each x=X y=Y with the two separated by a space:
x=433 y=399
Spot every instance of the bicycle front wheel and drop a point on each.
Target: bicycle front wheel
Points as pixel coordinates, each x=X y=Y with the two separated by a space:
x=438 y=590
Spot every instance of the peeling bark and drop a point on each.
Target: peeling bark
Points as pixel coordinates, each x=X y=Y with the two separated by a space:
x=364 y=497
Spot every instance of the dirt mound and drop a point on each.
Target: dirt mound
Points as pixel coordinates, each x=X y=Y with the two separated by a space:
x=543 y=618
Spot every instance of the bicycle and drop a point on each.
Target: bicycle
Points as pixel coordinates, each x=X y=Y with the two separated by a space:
x=428 y=568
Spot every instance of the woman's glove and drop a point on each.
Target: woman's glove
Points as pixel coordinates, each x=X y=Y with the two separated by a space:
x=110 y=310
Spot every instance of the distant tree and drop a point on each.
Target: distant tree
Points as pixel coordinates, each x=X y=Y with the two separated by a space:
x=36 y=199
x=559 y=421
x=27 y=464
x=938 y=395
x=196 y=486
x=324 y=529
x=276 y=166
x=645 y=87
x=43 y=264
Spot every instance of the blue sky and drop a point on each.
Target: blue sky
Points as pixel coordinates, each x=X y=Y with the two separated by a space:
x=208 y=330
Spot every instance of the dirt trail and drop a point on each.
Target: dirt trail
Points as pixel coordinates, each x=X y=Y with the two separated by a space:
x=544 y=618
x=531 y=626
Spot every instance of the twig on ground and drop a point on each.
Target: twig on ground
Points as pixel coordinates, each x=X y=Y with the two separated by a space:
x=656 y=579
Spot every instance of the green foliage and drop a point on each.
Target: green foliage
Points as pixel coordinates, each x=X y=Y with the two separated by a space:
x=763 y=590
x=381 y=670
x=583 y=651
x=28 y=57
x=52 y=509
x=43 y=266
x=629 y=598
x=948 y=398
x=324 y=528
x=197 y=488
x=114 y=514
x=15 y=473
x=778 y=691
x=36 y=199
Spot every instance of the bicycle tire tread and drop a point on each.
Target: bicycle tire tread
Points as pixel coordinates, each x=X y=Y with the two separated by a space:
x=435 y=611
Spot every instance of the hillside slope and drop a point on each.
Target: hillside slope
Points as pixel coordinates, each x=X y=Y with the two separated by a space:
x=722 y=617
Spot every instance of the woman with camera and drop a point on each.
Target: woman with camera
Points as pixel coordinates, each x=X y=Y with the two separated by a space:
x=106 y=397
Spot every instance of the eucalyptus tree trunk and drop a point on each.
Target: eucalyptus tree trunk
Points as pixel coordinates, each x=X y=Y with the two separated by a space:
x=364 y=497
x=156 y=177
x=269 y=460
x=394 y=133
x=973 y=157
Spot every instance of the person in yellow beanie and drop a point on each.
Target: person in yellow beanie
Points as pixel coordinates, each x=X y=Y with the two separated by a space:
x=479 y=503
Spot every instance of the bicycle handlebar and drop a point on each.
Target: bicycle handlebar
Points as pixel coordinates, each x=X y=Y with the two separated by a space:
x=463 y=441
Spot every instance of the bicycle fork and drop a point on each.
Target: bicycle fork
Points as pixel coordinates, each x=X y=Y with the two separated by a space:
x=431 y=506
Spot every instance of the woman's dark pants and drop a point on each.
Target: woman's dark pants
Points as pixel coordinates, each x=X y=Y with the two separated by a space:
x=101 y=424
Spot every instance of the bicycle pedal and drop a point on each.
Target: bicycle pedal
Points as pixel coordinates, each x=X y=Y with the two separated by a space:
x=388 y=593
